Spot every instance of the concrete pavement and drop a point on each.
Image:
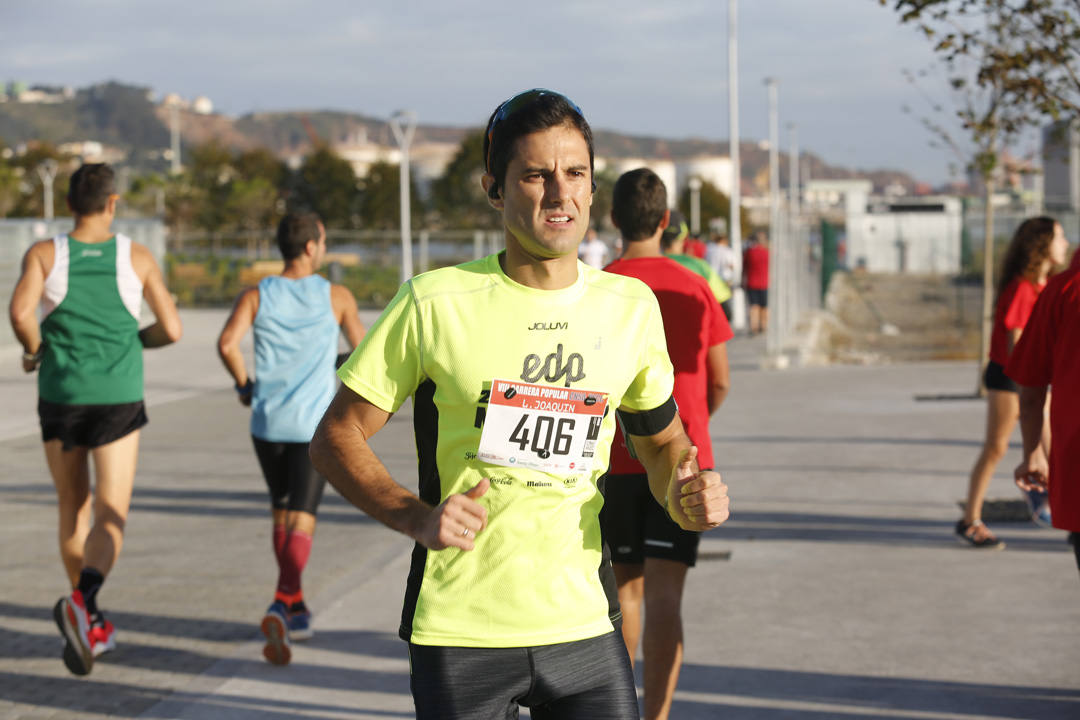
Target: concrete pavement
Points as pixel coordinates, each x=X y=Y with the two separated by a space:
x=835 y=591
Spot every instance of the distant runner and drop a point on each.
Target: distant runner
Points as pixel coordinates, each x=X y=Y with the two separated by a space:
x=650 y=553
x=296 y=317
x=90 y=285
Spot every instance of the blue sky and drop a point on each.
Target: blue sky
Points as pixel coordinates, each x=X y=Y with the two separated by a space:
x=634 y=66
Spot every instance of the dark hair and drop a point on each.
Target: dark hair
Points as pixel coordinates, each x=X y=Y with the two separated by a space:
x=295 y=231
x=676 y=230
x=90 y=188
x=638 y=203
x=1029 y=247
x=524 y=114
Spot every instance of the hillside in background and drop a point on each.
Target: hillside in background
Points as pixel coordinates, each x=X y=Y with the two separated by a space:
x=131 y=119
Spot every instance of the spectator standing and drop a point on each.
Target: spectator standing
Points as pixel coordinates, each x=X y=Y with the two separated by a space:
x=1036 y=247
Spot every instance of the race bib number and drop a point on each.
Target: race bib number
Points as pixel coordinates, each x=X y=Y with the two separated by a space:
x=540 y=427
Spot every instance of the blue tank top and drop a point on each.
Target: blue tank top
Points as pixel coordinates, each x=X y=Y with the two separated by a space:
x=296 y=343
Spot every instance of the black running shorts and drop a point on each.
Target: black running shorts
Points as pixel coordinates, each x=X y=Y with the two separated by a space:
x=89 y=426
x=635 y=527
x=583 y=680
x=290 y=476
x=995 y=379
x=757 y=297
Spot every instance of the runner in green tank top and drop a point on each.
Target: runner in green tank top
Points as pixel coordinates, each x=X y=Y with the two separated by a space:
x=517 y=365
x=87 y=349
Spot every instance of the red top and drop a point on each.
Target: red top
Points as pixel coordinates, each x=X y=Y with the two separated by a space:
x=694 y=247
x=1013 y=308
x=1047 y=354
x=756 y=267
x=693 y=323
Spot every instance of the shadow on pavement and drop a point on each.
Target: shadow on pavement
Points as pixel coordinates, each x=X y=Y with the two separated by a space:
x=826 y=440
x=860 y=696
x=127 y=700
x=813 y=527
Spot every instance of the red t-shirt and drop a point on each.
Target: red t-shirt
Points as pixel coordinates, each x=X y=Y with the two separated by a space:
x=693 y=323
x=695 y=247
x=1048 y=353
x=1013 y=308
x=756 y=267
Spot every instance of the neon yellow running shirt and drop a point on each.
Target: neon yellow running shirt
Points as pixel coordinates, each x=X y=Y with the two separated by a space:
x=537 y=575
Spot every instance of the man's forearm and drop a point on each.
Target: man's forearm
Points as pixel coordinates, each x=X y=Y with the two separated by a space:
x=345 y=459
x=27 y=333
x=155 y=336
x=1032 y=403
x=660 y=461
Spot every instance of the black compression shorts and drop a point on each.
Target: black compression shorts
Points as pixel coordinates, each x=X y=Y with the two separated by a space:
x=583 y=680
x=290 y=476
x=757 y=297
x=995 y=379
x=89 y=426
x=635 y=526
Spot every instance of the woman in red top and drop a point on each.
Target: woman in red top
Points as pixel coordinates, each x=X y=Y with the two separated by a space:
x=1038 y=245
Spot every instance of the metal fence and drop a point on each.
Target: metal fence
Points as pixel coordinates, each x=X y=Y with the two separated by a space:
x=381 y=248
x=17 y=235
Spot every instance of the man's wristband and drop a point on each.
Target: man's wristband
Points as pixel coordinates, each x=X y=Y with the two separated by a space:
x=34 y=356
x=246 y=388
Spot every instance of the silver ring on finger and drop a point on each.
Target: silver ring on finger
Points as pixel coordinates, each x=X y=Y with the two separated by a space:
x=465 y=532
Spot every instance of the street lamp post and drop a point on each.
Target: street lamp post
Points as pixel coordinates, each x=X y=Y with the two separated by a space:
x=734 y=216
x=403 y=123
x=777 y=284
x=695 y=204
x=47 y=172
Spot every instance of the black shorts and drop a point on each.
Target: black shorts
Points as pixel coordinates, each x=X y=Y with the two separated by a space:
x=635 y=527
x=290 y=476
x=995 y=379
x=583 y=680
x=1074 y=540
x=757 y=297
x=727 y=306
x=89 y=426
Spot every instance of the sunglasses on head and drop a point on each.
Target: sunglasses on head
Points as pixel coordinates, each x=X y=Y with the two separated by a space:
x=512 y=105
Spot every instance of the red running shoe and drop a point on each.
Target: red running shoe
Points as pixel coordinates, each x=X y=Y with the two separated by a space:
x=74 y=623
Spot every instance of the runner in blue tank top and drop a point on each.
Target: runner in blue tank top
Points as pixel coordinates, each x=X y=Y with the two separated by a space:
x=296 y=318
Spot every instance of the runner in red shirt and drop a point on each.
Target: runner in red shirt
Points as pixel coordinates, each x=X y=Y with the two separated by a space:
x=650 y=553
x=1047 y=355
x=756 y=281
x=1037 y=246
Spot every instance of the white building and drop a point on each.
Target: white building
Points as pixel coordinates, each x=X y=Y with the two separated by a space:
x=889 y=235
x=713 y=169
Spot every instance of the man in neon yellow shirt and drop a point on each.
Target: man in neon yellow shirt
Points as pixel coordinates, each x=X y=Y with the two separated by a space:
x=517 y=365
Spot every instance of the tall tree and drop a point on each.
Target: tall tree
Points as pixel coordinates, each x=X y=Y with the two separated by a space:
x=457 y=196
x=326 y=184
x=714 y=205
x=380 y=198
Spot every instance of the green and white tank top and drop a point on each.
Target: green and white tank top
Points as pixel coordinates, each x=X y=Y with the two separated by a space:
x=90 y=325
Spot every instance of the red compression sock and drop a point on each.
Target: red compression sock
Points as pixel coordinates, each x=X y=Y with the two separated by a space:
x=279 y=541
x=294 y=557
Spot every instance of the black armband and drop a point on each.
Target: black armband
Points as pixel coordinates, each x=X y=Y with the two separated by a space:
x=340 y=359
x=649 y=422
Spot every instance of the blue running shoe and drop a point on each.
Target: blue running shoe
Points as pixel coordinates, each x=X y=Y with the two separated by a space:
x=300 y=625
x=1039 y=505
x=275 y=626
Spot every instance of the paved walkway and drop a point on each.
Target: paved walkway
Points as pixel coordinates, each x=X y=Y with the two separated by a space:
x=835 y=591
